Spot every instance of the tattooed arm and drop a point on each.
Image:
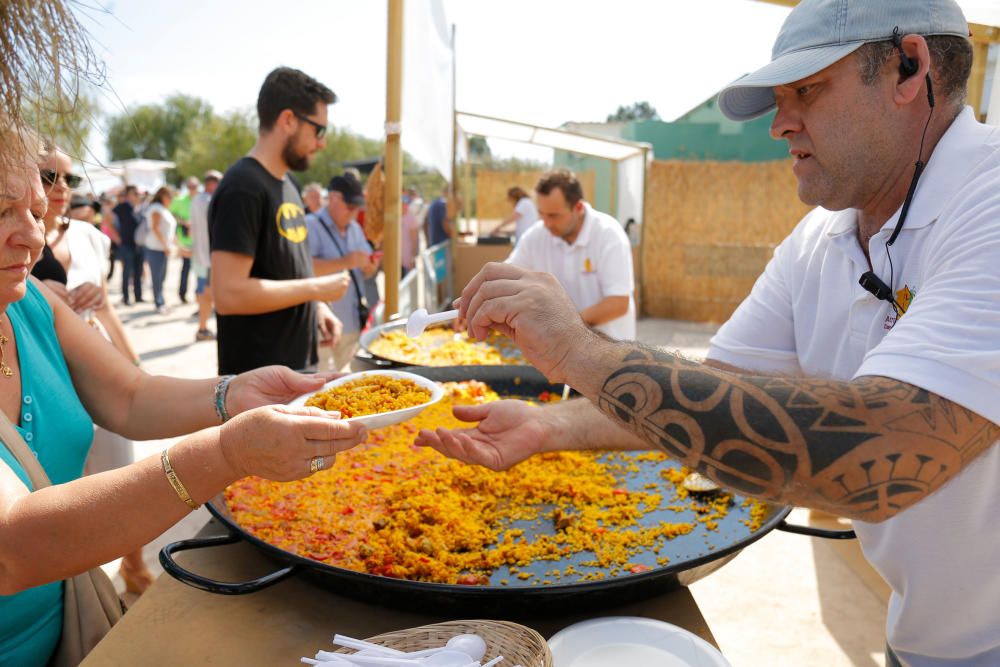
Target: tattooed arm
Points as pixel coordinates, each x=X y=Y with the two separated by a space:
x=865 y=449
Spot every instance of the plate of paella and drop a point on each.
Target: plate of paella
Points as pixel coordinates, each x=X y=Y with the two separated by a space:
x=375 y=398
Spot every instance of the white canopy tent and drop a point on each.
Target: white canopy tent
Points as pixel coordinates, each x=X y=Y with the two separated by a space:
x=146 y=174
x=631 y=158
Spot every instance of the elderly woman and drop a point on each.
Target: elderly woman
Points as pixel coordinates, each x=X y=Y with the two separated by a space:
x=57 y=377
x=72 y=266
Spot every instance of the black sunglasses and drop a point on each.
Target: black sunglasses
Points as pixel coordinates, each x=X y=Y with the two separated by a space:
x=50 y=177
x=320 y=129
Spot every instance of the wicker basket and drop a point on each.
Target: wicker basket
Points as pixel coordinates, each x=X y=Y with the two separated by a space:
x=517 y=644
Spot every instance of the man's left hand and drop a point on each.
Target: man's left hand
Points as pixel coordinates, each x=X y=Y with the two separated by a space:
x=330 y=327
x=508 y=432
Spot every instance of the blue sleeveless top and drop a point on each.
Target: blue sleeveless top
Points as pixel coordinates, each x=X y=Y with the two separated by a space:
x=58 y=430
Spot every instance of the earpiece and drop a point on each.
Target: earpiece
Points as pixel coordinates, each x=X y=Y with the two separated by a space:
x=870 y=282
x=907 y=65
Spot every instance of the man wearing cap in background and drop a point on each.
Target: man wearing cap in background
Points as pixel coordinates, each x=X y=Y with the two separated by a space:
x=337 y=243
x=201 y=256
x=875 y=402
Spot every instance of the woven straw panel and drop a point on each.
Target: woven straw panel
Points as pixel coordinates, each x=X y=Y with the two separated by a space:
x=709 y=231
x=492 y=186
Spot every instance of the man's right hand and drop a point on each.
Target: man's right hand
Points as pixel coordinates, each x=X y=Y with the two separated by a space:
x=332 y=287
x=508 y=432
x=532 y=309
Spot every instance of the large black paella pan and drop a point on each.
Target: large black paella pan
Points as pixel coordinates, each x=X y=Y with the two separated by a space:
x=679 y=561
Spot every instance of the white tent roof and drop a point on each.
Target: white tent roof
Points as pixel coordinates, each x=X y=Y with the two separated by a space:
x=142 y=164
x=985 y=12
x=611 y=149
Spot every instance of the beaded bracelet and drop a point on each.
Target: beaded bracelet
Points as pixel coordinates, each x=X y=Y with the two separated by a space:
x=221 y=389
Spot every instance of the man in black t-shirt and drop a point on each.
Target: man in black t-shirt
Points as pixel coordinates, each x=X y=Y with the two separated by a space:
x=270 y=306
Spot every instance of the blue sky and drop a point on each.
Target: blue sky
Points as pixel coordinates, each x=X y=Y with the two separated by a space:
x=537 y=61
x=541 y=61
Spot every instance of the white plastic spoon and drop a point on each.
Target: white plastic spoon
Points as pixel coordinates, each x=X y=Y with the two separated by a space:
x=359 y=659
x=345 y=658
x=448 y=658
x=420 y=320
x=360 y=644
x=471 y=645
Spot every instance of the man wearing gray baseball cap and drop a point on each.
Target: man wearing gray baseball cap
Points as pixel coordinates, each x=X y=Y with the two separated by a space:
x=862 y=375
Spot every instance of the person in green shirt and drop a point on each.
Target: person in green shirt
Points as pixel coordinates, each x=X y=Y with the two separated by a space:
x=181 y=208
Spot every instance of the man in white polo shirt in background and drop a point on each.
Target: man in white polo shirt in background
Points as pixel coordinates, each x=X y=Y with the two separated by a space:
x=586 y=250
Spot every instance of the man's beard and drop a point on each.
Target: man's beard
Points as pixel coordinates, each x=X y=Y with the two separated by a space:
x=295 y=161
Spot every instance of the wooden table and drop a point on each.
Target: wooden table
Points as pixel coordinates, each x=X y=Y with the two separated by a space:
x=174 y=624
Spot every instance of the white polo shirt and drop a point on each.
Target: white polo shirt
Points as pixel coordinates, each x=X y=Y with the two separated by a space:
x=597 y=265
x=808 y=315
x=527 y=216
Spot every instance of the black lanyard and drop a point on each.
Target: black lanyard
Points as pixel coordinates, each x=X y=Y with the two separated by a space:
x=350 y=272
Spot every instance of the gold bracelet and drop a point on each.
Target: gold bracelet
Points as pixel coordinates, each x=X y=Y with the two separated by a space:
x=175 y=482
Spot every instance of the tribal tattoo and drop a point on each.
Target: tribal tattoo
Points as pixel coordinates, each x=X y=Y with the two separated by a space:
x=866 y=449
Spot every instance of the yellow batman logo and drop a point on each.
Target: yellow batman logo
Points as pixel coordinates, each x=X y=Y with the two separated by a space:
x=291 y=222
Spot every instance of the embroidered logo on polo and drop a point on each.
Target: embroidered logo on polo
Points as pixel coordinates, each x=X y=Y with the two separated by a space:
x=904 y=298
x=291 y=222
x=588 y=266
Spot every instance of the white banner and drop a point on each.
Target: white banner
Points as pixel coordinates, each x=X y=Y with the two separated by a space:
x=427 y=84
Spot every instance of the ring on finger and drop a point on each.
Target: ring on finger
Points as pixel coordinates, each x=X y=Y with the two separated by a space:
x=316 y=464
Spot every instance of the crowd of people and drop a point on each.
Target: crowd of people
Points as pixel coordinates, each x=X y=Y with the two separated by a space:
x=871 y=399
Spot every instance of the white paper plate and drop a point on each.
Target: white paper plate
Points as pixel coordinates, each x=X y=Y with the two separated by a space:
x=382 y=419
x=634 y=641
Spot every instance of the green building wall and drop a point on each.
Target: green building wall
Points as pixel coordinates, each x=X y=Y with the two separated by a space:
x=701 y=134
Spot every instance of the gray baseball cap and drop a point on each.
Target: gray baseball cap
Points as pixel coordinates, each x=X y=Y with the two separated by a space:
x=818 y=33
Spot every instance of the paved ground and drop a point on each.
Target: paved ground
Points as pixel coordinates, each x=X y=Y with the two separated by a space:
x=785 y=600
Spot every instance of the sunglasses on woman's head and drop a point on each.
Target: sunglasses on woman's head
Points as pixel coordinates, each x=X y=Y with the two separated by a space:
x=49 y=177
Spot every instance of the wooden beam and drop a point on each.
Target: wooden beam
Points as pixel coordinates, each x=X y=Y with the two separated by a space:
x=393 y=157
x=982 y=37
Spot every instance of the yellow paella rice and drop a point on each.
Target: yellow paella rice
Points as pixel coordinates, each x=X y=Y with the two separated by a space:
x=443 y=346
x=391 y=508
x=370 y=395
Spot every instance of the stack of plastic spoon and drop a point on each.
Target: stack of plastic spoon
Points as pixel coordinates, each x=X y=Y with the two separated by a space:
x=465 y=650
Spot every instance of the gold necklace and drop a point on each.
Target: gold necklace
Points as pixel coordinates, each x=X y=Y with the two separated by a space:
x=6 y=370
